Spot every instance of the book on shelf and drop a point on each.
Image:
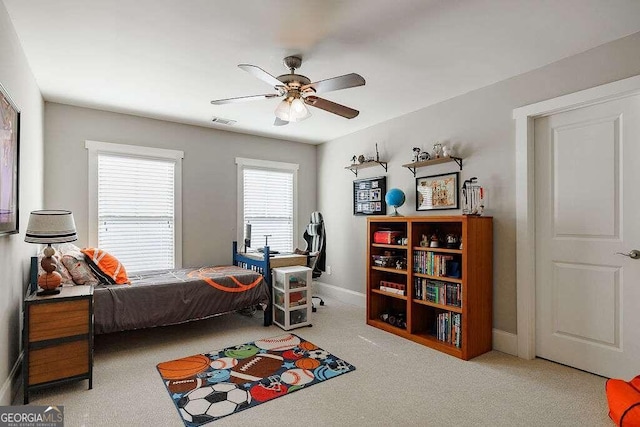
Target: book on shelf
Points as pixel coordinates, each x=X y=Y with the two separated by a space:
x=394 y=288
x=449 y=328
x=438 y=292
x=425 y=262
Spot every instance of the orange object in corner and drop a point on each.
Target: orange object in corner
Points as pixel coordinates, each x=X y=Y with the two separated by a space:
x=624 y=401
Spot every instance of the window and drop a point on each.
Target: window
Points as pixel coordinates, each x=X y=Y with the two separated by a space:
x=268 y=201
x=135 y=204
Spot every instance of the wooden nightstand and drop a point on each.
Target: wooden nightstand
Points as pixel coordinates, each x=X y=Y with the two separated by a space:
x=57 y=338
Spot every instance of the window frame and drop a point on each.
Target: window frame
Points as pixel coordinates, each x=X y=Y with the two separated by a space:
x=270 y=166
x=95 y=148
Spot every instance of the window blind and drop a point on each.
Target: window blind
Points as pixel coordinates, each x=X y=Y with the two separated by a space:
x=136 y=199
x=268 y=207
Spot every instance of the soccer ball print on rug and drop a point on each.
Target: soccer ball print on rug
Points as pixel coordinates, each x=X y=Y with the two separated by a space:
x=206 y=387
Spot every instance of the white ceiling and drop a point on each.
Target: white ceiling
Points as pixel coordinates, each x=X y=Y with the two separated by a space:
x=168 y=59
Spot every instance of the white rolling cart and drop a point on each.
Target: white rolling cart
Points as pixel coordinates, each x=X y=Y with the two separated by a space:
x=292 y=297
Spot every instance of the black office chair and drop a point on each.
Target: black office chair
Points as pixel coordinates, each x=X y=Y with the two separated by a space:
x=315 y=251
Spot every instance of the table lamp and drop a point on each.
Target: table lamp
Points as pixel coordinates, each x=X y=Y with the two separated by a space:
x=47 y=227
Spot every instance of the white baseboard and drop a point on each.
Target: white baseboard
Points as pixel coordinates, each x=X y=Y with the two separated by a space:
x=11 y=384
x=505 y=342
x=341 y=294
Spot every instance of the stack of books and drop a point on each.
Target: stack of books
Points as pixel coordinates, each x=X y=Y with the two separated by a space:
x=394 y=288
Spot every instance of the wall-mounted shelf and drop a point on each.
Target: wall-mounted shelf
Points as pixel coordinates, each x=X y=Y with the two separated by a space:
x=415 y=165
x=355 y=168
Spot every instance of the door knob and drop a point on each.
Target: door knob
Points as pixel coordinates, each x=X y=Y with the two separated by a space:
x=634 y=254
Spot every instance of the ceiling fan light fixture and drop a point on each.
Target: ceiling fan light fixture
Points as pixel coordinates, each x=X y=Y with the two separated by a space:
x=299 y=92
x=292 y=110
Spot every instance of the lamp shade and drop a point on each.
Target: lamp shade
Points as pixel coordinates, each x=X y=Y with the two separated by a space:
x=51 y=226
x=292 y=110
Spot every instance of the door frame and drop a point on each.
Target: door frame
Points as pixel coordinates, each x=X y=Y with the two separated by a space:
x=525 y=195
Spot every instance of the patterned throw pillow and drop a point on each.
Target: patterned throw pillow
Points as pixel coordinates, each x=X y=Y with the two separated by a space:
x=66 y=276
x=106 y=266
x=78 y=268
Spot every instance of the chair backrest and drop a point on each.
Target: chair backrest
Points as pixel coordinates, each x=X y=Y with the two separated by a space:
x=315 y=237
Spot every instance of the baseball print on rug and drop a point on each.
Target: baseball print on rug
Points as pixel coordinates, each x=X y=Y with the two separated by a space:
x=207 y=387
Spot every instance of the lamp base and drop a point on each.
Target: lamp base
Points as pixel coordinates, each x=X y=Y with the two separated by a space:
x=48 y=292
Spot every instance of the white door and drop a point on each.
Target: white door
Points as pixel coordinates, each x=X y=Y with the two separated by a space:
x=587 y=179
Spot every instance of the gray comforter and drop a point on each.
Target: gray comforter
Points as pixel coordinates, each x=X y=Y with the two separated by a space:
x=166 y=297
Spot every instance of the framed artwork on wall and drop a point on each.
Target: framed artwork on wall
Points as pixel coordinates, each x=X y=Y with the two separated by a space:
x=9 y=163
x=437 y=192
x=368 y=196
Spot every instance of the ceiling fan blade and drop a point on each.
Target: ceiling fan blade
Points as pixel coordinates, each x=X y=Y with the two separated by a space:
x=244 y=98
x=279 y=122
x=336 y=83
x=261 y=74
x=331 y=107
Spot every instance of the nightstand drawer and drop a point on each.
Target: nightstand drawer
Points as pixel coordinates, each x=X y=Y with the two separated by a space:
x=62 y=319
x=62 y=361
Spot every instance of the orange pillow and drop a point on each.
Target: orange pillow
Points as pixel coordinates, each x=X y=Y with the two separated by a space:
x=108 y=264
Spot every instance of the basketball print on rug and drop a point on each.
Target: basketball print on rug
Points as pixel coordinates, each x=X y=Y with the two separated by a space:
x=207 y=387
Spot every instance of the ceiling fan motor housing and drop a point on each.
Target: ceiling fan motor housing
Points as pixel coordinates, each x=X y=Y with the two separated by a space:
x=294 y=80
x=292 y=62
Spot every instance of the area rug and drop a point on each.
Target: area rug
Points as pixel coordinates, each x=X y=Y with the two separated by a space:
x=206 y=387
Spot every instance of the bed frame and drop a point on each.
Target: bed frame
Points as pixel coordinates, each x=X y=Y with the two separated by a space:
x=262 y=266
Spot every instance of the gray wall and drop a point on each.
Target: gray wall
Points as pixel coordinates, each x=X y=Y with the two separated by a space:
x=480 y=125
x=209 y=175
x=17 y=79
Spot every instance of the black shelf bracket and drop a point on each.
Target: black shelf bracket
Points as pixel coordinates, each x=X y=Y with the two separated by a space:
x=355 y=171
x=458 y=160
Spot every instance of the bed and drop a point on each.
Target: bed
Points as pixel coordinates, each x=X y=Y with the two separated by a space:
x=166 y=297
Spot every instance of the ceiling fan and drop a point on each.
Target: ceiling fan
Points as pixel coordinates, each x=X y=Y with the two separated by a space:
x=297 y=91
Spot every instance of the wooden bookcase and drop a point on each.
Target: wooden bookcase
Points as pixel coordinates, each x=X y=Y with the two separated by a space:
x=475 y=262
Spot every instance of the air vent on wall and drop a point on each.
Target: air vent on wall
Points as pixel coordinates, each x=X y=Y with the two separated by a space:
x=222 y=121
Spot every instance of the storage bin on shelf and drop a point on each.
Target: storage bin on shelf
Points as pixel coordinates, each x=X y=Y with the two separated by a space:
x=387 y=237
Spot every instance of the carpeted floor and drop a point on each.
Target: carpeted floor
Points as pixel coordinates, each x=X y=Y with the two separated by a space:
x=397 y=382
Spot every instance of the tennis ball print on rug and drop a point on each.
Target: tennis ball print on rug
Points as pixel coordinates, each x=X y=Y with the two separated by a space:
x=206 y=387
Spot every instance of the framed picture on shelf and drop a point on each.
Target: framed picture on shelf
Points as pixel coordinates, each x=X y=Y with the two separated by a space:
x=368 y=196
x=9 y=163
x=437 y=192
